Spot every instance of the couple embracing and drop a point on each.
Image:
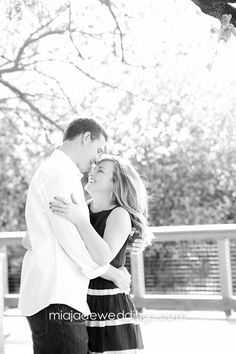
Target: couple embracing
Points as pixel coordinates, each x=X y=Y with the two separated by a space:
x=74 y=286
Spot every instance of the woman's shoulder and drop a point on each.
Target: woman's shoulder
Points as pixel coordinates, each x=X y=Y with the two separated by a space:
x=120 y=219
x=119 y=212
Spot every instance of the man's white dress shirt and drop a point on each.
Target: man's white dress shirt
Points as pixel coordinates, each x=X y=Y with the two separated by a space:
x=58 y=267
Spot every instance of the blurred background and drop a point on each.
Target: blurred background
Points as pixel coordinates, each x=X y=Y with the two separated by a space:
x=157 y=77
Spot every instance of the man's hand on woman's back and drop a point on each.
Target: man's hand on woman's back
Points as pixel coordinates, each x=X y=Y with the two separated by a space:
x=124 y=280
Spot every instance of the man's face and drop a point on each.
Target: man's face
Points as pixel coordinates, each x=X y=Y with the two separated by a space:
x=91 y=151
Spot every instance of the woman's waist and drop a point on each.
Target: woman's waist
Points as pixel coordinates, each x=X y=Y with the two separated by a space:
x=101 y=283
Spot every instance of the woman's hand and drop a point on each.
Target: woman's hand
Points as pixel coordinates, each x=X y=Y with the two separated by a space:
x=26 y=242
x=137 y=247
x=72 y=210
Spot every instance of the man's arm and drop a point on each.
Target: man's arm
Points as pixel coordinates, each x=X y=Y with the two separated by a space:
x=64 y=231
x=120 y=276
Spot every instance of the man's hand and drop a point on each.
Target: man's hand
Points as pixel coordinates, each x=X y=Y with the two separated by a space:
x=124 y=280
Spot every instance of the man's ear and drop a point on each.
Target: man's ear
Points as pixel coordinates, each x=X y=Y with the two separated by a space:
x=86 y=137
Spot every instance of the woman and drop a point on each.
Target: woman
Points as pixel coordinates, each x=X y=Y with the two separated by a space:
x=119 y=203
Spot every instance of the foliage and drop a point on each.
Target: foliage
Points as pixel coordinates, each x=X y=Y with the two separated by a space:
x=178 y=131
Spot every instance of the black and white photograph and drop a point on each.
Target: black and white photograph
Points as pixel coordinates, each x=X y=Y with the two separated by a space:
x=117 y=177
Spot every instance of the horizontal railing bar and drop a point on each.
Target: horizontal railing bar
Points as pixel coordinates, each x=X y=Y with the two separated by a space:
x=162 y=233
x=167 y=302
x=11 y=300
x=186 y=304
x=195 y=232
x=194 y=228
x=11 y=238
x=183 y=297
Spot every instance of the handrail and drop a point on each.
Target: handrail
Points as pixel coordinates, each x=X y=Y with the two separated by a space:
x=11 y=238
x=195 y=232
x=163 y=233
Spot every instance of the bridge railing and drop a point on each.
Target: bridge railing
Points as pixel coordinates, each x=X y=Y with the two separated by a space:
x=225 y=301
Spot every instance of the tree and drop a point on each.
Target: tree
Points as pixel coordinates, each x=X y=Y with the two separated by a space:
x=217 y=8
x=151 y=97
x=41 y=40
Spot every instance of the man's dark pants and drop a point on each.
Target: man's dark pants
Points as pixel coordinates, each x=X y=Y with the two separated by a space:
x=58 y=329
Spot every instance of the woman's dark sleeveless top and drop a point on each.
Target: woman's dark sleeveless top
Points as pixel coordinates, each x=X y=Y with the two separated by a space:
x=98 y=220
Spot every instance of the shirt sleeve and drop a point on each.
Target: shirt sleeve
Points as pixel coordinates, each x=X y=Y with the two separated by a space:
x=61 y=184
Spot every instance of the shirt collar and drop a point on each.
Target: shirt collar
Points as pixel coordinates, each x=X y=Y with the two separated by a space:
x=67 y=162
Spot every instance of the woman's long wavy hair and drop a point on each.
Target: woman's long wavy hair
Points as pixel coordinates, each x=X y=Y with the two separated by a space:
x=130 y=193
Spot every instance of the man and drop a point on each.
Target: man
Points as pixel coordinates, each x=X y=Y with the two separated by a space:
x=57 y=268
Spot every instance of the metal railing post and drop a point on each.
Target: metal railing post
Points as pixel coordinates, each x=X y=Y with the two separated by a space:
x=138 y=278
x=225 y=272
x=2 y=292
x=3 y=250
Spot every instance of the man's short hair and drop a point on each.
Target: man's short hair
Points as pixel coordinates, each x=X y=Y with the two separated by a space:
x=81 y=126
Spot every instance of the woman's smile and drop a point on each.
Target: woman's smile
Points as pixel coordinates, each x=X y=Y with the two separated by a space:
x=91 y=180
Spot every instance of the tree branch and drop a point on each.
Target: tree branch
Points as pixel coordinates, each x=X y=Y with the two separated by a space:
x=31 y=39
x=108 y=4
x=24 y=98
x=217 y=8
x=60 y=87
x=26 y=44
x=108 y=84
x=7 y=60
x=70 y=33
x=45 y=25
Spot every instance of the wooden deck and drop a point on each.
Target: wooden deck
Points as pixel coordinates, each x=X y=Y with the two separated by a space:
x=164 y=332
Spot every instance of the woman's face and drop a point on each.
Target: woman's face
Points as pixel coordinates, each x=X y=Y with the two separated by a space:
x=101 y=178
